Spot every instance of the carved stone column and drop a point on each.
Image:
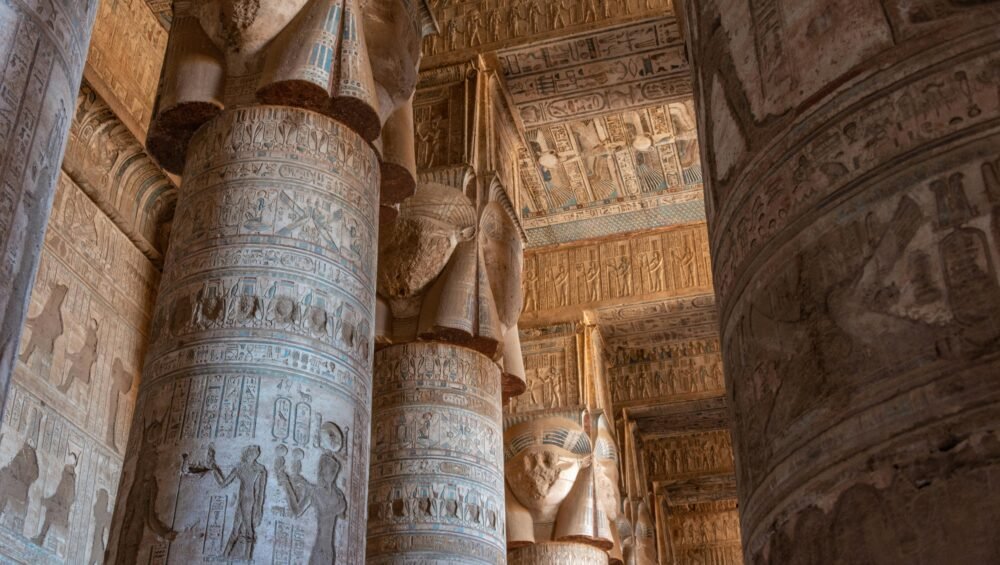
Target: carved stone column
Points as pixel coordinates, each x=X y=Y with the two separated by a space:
x=557 y=553
x=450 y=281
x=853 y=151
x=251 y=435
x=43 y=48
x=436 y=492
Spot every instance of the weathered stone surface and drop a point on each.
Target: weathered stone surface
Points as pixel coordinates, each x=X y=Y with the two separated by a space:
x=557 y=554
x=436 y=492
x=851 y=149
x=251 y=436
x=66 y=422
x=555 y=479
x=559 y=282
x=124 y=61
x=42 y=53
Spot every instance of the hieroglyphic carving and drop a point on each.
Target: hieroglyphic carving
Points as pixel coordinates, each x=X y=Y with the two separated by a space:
x=104 y=158
x=126 y=53
x=260 y=350
x=851 y=237
x=436 y=477
x=565 y=276
x=440 y=114
x=86 y=330
x=557 y=554
x=52 y=476
x=41 y=62
x=675 y=369
x=551 y=372
x=686 y=455
x=621 y=68
x=482 y=25
x=655 y=322
x=705 y=533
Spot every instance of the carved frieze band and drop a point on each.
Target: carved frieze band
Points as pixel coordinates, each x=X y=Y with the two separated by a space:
x=556 y=553
x=436 y=491
x=667 y=263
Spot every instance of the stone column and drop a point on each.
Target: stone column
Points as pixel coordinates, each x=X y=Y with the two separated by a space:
x=253 y=416
x=557 y=553
x=436 y=490
x=251 y=435
x=450 y=281
x=853 y=152
x=43 y=48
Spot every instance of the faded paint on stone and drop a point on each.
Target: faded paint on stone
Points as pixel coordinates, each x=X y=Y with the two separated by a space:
x=436 y=491
x=251 y=437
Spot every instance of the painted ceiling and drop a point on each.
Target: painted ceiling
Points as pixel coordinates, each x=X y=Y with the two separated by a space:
x=611 y=138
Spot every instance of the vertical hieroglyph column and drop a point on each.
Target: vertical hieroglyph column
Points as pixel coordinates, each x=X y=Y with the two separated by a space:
x=43 y=47
x=251 y=436
x=436 y=493
x=854 y=204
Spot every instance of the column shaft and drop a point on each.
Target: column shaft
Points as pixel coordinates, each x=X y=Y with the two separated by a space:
x=43 y=47
x=252 y=423
x=436 y=491
x=557 y=553
x=853 y=150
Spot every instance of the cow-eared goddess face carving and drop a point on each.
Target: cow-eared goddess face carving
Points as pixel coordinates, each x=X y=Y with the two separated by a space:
x=415 y=249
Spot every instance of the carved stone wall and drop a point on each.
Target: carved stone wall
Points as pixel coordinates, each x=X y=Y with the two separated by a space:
x=42 y=52
x=436 y=490
x=554 y=379
x=664 y=263
x=854 y=188
x=479 y=25
x=705 y=534
x=104 y=158
x=251 y=437
x=65 y=425
x=671 y=371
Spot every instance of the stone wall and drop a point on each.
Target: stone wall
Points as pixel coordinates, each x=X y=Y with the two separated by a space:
x=66 y=421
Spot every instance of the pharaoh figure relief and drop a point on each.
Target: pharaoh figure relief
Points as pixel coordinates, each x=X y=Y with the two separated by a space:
x=446 y=276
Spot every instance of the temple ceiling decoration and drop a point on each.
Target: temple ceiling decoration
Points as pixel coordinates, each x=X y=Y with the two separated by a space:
x=610 y=134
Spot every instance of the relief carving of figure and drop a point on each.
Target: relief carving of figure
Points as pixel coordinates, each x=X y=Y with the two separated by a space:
x=15 y=482
x=121 y=384
x=81 y=363
x=58 y=504
x=102 y=524
x=323 y=496
x=47 y=326
x=140 y=502
x=249 y=501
